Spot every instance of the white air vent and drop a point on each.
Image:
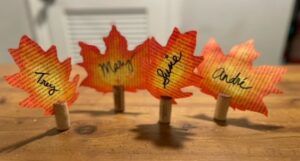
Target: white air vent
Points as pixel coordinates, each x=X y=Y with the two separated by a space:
x=91 y=26
x=66 y=22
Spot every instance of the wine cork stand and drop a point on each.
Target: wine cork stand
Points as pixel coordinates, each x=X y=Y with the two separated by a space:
x=62 y=116
x=165 y=109
x=222 y=106
x=119 y=101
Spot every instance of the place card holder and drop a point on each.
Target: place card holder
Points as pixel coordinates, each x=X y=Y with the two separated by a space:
x=119 y=100
x=62 y=115
x=165 y=109
x=222 y=106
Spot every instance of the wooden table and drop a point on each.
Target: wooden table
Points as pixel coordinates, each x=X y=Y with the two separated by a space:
x=99 y=134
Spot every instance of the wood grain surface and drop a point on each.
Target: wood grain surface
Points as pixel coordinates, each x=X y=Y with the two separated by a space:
x=98 y=134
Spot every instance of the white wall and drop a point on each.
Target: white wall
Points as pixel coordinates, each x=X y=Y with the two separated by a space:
x=14 y=24
x=229 y=21
x=235 y=21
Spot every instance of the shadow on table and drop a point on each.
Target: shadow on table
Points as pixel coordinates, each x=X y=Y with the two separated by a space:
x=85 y=129
x=162 y=135
x=97 y=113
x=240 y=122
x=10 y=148
x=2 y=100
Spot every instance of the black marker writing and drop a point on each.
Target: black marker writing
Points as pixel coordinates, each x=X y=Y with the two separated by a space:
x=41 y=80
x=166 y=73
x=220 y=74
x=108 y=67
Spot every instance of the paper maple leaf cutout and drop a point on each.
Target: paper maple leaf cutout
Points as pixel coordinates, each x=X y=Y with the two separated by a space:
x=171 y=67
x=42 y=76
x=117 y=66
x=235 y=75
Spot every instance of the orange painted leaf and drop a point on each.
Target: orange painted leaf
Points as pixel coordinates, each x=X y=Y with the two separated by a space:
x=171 y=67
x=117 y=66
x=235 y=75
x=42 y=76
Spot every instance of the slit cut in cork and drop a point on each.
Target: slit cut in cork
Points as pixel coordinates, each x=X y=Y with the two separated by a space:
x=222 y=106
x=119 y=101
x=165 y=109
x=62 y=115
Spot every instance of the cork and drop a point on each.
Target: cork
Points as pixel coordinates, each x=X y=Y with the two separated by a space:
x=222 y=106
x=62 y=116
x=119 y=101
x=165 y=109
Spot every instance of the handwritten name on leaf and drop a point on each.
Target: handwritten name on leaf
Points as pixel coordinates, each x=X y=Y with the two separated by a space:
x=166 y=73
x=221 y=74
x=108 y=67
x=41 y=80
x=171 y=67
x=42 y=86
x=234 y=74
x=116 y=66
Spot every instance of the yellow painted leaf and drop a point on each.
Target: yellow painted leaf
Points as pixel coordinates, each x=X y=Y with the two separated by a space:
x=171 y=67
x=116 y=66
x=235 y=75
x=42 y=76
